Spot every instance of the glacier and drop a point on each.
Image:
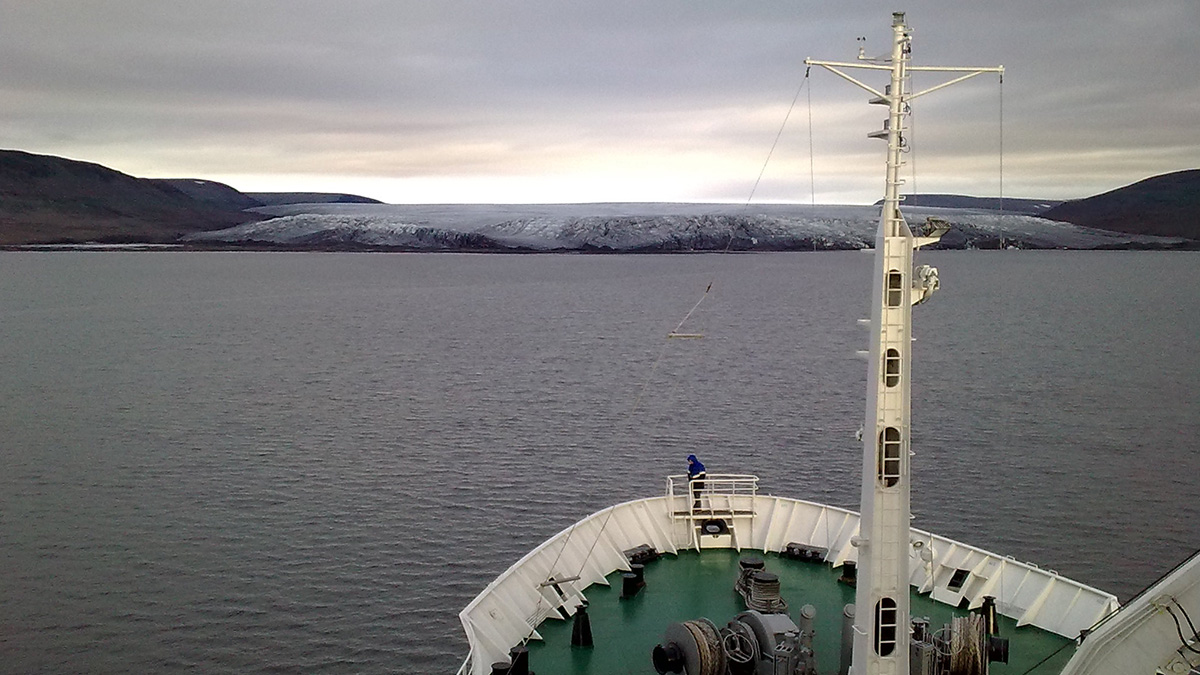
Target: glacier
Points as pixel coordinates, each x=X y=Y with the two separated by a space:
x=638 y=227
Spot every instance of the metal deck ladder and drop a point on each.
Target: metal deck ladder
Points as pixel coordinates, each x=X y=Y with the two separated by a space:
x=725 y=497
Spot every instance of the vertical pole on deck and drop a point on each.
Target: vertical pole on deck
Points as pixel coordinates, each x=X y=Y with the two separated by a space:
x=882 y=599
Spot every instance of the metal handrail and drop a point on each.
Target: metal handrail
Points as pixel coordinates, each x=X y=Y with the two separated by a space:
x=738 y=484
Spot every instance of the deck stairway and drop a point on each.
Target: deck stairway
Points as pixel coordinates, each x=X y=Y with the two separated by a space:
x=714 y=514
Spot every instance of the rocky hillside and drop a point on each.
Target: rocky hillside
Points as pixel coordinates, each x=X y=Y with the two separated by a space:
x=1029 y=207
x=45 y=199
x=49 y=200
x=1166 y=206
x=222 y=195
x=284 y=198
x=211 y=192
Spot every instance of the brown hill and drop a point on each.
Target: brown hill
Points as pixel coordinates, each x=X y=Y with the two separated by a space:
x=220 y=194
x=211 y=192
x=288 y=198
x=1166 y=205
x=1029 y=207
x=46 y=199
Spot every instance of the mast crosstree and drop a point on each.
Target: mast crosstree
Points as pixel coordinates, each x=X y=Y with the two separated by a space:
x=882 y=621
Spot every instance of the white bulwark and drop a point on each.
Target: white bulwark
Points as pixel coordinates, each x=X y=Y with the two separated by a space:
x=511 y=608
x=892 y=558
x=885 y=543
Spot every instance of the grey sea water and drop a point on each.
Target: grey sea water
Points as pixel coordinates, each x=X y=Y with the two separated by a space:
x=256 y=462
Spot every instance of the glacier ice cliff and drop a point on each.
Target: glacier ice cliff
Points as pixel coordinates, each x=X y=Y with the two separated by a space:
x=637 y=228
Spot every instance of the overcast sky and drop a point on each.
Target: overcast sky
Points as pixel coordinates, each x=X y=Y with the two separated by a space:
x=571 y=100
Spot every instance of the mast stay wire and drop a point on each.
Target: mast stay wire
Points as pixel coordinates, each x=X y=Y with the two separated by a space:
x=912 y=134
x=779 y=134
x=676 y=332
x=910 y=148
x=708 y=288
x=1002 y=149
x=812 y=174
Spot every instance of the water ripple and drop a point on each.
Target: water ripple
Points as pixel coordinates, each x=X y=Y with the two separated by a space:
x=236 y=463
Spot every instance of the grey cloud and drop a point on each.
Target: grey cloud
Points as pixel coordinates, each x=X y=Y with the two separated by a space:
x=408 y=88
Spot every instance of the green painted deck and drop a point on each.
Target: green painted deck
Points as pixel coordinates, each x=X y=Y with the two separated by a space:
x=693 y=585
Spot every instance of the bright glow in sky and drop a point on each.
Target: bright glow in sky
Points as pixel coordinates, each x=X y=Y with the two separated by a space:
x=675 y=100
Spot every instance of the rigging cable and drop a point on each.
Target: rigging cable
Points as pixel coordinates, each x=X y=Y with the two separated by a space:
x=1151 y=585
x=1105 y=619
x=912 y=135
x=637 y=401
x=729 y=243
x=693 y=309
x=812 y=174
x=1051 y=655
x=780 y=133
x=676 y=332
x=1185 y=615
x=595 y=541
x=1001 y=149
x=1179 y=629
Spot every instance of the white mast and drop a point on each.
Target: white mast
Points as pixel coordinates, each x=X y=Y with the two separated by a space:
x=884 y=549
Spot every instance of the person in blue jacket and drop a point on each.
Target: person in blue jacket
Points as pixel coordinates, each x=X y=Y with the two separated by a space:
x=696 y=476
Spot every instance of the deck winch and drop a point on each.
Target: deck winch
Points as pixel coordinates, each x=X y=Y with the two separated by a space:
x=758 y=587
x=753 y=643
x=759 y=643
x=764 y=640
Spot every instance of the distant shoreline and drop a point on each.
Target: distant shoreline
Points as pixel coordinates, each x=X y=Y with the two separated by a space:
x=53 y=203
x=1185 y=245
